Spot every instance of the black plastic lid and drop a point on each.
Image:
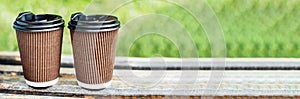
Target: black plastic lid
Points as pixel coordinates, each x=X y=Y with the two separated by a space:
x=29 y=22
x=93 y=23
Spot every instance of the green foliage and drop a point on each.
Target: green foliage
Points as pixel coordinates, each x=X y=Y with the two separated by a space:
x=10 y=10
x=252 y=28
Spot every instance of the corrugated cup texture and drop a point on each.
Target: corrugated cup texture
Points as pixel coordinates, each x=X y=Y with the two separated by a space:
x=40 y=54
x=94 y=55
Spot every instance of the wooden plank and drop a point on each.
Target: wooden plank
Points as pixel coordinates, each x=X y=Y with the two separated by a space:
x=132 y=63
x=152 y=78
x=21 y=96
x=24 y=96
x=166 y=83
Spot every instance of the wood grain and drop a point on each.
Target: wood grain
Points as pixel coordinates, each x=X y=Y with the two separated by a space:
x=130 y=83
x=134 y=63
x=172 y=83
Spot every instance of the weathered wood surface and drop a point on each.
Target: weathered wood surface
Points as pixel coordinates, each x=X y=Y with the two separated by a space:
x=24 y=96
x=20 y=96
x=131 y=63
x=234 y=83
x=160 y=83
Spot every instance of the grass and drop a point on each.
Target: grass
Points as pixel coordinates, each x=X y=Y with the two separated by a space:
x=252 y=28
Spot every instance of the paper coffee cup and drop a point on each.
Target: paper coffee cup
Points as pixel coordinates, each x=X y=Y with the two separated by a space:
x=39 y=40
x=94 y=40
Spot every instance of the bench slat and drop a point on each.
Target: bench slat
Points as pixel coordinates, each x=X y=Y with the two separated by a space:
x=178 y=83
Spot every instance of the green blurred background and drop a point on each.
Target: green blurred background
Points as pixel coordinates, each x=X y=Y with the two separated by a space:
x=252 y=28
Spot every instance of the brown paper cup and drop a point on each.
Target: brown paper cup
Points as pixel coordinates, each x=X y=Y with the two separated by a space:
x=40 y=50
x=94 y=52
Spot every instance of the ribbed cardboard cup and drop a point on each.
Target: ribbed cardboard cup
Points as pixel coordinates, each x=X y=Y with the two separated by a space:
x=94 y=40
x=39 y=40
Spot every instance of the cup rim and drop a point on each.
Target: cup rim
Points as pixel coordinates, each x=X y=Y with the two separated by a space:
x=93 y=23
x=45 y=22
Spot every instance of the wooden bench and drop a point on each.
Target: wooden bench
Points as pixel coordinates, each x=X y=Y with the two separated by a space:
x=167 y=78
